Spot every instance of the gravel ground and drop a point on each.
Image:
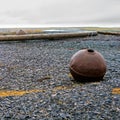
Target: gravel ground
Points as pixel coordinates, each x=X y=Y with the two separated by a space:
x=43 y=64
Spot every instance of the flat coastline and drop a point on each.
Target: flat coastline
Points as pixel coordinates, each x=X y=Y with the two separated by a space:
x=12 y=34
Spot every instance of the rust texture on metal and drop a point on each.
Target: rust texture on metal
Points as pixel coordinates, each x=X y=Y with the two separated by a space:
x=88 y=65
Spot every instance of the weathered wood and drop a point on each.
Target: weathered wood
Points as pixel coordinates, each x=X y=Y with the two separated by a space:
x=109 y=33
x=45 y=36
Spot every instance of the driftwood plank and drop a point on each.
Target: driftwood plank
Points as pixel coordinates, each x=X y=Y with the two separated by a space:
x=45 y=36
x=109 y=33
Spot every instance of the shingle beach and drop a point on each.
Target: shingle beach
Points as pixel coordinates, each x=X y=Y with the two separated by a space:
x=39 y=69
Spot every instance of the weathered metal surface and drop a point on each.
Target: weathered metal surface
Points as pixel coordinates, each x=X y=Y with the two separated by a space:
x=87 y=65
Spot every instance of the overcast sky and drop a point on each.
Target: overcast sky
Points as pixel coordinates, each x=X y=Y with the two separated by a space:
x=59 y=12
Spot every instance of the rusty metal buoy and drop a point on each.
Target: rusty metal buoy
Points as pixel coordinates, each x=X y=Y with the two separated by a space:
x=87 y=65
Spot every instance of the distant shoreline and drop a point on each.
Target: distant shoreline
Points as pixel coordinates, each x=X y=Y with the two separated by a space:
x=7 y=30
x=53 y=32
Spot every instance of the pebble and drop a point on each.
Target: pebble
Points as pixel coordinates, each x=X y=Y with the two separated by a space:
x=23 y=64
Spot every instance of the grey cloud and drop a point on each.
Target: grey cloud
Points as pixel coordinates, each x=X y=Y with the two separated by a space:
x=44 y=12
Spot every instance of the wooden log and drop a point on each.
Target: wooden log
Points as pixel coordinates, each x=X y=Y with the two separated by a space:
x=45 y=36
x=109 y=33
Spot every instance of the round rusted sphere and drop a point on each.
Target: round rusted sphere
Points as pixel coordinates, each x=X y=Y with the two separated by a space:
x=87 y=65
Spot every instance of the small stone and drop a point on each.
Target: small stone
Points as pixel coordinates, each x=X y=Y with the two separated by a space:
x=20 y=32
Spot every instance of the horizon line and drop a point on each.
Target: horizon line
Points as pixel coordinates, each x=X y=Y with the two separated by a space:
x=55 y=25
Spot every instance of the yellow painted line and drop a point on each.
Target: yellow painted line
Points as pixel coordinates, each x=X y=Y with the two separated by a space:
x=116 y=91
x=6 y=93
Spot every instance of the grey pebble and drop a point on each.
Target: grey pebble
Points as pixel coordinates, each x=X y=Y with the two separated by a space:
x=26 y=62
